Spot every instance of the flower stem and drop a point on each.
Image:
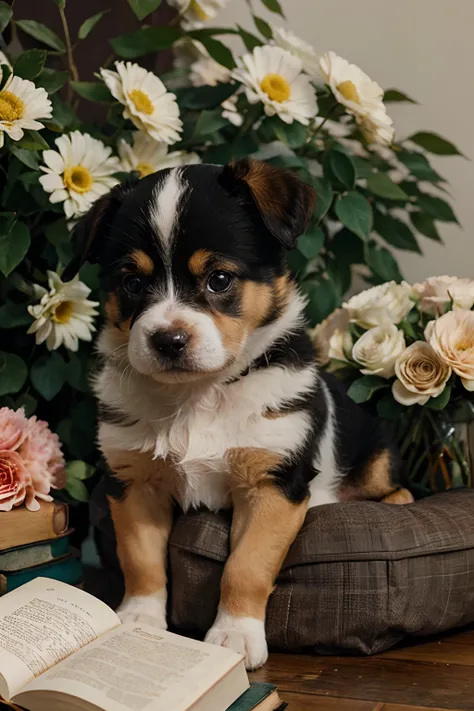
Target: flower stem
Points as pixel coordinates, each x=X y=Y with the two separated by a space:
x=69 y=53
x=330 y=113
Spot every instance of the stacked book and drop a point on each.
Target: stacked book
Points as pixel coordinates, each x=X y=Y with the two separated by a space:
x=36 y=544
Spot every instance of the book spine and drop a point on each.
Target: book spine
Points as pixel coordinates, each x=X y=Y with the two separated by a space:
x=60 y=518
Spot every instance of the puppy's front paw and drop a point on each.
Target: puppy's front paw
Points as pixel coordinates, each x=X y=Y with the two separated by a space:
x=245 y=635
x=145 y=610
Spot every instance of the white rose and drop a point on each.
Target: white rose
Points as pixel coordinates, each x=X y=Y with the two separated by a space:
x=436 y=293
x=452 y=337
x=421 y=374
x=378 y=349
x=387 y=303
x=321 y=334
x=340 y=343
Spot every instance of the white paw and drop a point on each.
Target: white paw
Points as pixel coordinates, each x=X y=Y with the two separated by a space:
x=145 y=610
x=245 y=635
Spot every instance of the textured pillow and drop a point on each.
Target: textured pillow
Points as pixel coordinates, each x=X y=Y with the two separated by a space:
x=360 y=577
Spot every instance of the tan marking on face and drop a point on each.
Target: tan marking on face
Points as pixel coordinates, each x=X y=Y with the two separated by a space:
x=232 y=331
x=264 y=525
x=142 y=519
x=257 y=301
x=400 y=497
x=114 y=324
x=197 y=262
x=282 y=291
x=142 y=261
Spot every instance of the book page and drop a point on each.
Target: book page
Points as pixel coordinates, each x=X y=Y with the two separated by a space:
x=43 y=622
x=138 y=668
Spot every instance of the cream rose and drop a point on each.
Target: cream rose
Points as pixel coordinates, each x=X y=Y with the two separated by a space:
x=452 y=337
x=378 y=349
x=340 y=343
x=421 y=374
x=321 y=335
x=436 y=293
x=387 y=303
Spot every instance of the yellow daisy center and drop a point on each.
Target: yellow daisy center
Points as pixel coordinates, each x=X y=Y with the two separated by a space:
x=63 y=312
x=11 y=107
x=198 y=11
x=276 y=87
x=141 y=101
x=349 y=91
x=78 y=179
x=145 y=169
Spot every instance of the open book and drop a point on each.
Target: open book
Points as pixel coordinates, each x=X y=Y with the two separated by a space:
x=62 y=648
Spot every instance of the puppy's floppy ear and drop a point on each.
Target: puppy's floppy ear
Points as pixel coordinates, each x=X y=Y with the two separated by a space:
x=284 y=202
x=90 y=233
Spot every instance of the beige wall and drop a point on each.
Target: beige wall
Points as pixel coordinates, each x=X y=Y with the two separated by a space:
x=425 y=48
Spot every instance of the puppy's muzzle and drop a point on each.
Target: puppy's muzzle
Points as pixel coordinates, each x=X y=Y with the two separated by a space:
x=170 y=343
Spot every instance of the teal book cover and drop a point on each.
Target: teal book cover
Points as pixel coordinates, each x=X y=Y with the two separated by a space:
x=256 y=695
x=67 y=570
x=22 y=557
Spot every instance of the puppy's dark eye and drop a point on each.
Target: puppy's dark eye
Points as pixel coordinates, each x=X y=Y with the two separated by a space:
x=132 y=284
x=219 y=282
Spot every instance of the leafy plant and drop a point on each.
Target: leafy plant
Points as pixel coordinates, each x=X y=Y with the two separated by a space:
x=374 y=192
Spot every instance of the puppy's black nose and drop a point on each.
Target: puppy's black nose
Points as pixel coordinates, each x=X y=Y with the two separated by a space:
x=170 y=343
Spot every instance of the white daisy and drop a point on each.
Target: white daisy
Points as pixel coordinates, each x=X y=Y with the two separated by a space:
x=207 y=72
x=21 y=104
x=303 y=50
x=79 y=172
x=146 y=102
x=64 y=315
x=230 y=111
x=378 y=127
x=274 y=76
x=350 y=85
x=195 y=12
x=146 y=156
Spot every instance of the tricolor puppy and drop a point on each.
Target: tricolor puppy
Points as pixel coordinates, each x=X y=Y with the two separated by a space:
x=209 y=391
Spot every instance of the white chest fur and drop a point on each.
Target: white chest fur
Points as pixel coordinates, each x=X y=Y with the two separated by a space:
x=198 y=429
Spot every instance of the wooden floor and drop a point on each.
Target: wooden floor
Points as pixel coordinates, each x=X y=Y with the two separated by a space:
x=435 y=675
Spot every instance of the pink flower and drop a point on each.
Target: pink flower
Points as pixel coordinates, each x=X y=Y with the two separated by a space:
x=15 y=483
x=13 y=428
x=42 y=455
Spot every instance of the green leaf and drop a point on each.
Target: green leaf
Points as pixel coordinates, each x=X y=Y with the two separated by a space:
x=89 y=24
x=14 y=315
x=273 y=6
x=209 y=122
x=32 y=141
x=396 y=232
x=363 y=389
x=293 y=135
x=57 y=232
x=204 y=97
x=311 y=242
x=433 y=143
x=249 y=40
x=338 y=166
x=389 y=409
x=144 y=41
x=382 y=185
x=347 y=248
x=363 y=167
x=324 y=196
x=92 y=90
x=48 y=375
x=6 y=14
x=6 y=74
x=218 y=51
x=13 y=373
x=355 y=212
x=29 y=64
x=419 y=166
x=263 y=27
x=322 y=299
x=437 y=208
x=77 y=469
x=41 y=33
x=27 y=402
x=396 y=95
x=63 y=115
x=383 y=264
x=142 y=8
x=51 y=80
x=440 y=402
x=77 y=489
x=13 y=247
x=29 y=158
x=426 y=225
